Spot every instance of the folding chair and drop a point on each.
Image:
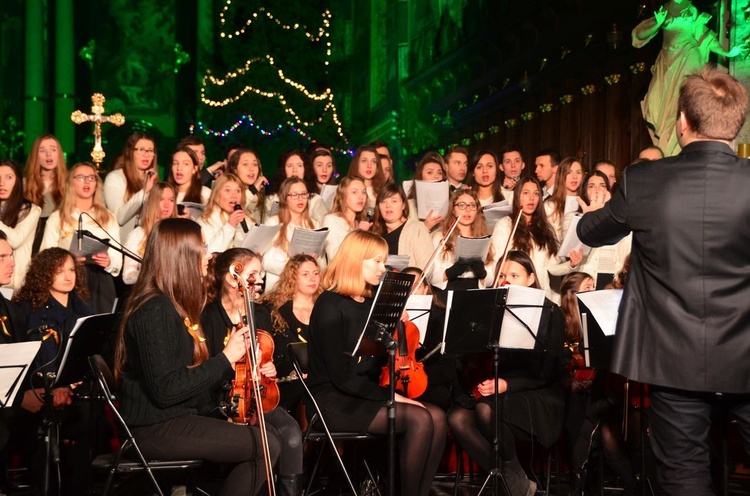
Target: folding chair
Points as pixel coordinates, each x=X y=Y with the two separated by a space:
x=117 y=463
x=298 y=355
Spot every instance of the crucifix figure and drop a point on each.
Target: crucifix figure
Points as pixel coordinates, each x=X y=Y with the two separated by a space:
x=97 y=117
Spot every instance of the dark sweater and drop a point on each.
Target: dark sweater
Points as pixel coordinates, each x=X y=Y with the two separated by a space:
x=159 y=384
x=335 y=325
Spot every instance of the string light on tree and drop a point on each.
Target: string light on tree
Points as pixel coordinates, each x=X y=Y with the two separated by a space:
x=233 y=88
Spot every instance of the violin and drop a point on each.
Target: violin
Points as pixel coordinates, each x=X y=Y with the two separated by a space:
x=410 y=374
x=254 y=394
x=411 y=378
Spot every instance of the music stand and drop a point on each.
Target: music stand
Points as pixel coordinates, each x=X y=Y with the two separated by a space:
x=376 y=338
x=598 y=312
x=85 y=339
x=495 y=318
x=15 y=361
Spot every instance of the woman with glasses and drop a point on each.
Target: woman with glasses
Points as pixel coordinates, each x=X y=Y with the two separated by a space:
x=449 y=271
x=534 y=236
x=293 y=212
x=18 y=218
x=83 y=206
x=125 y=189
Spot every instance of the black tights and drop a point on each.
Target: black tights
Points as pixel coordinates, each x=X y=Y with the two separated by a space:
x=288 y=432
x=424 y=431
x=472 y=429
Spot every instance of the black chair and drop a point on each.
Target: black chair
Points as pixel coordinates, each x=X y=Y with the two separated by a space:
x=299 y=358
x=118 y=463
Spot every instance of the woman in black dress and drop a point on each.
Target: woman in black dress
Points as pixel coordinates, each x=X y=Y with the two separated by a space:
x=344 y=386
x=533 y=403
x=165 y=370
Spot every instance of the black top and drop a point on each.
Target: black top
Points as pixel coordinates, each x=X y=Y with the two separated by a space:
x=60 y=318
x=159 y=383
x=684 y=316
x=295 y=332
x=392 y=239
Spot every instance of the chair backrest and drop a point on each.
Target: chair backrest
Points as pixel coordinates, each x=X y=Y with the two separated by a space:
x=107 y=385
x=298 y=355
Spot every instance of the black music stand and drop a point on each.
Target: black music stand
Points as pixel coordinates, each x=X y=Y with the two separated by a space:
x=476 y=322
x=376 y=339
x=86 y=338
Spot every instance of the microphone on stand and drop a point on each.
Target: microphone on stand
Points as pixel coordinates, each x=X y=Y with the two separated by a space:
x=237 y=206
x=80 y=230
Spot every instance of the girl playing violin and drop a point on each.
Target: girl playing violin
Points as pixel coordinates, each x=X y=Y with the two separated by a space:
x=163 y=364
x=220 y=317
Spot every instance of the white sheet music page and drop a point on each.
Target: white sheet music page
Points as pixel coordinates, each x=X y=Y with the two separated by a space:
x=15 y=359
x=604 y=306
x=526 y=304
x=418 y=308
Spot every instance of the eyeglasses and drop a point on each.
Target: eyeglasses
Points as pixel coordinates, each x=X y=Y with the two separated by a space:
x=294 y=196
x=85 y=179
x=463 y=206
x=146 y=151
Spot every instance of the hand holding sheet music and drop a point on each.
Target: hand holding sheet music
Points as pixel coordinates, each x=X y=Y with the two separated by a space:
x=89 y=245
x=469 y=248
x=433 y=196
x=260 y=237
x=571 y=241
x=309 y=241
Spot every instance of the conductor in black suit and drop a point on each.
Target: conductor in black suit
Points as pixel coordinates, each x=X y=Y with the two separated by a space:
x=684 y=319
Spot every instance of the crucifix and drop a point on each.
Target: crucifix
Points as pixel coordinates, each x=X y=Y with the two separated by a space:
x=97 y=117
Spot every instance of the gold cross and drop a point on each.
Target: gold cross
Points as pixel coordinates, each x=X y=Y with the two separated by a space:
x=97 y=117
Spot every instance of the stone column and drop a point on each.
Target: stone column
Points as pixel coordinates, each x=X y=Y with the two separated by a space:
x=35 y=99
x=64 y=74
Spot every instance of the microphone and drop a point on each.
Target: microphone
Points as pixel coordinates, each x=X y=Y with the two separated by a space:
x=370 y=214
x=243 y=223
x=37 y=330
x=80 y=230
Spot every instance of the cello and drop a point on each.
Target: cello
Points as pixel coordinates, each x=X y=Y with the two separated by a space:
x=254 y=394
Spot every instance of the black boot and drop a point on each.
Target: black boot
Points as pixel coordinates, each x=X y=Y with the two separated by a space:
x=517 y=481
x=289 y=485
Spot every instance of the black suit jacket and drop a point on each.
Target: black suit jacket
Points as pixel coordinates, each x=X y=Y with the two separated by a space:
x=684 y=320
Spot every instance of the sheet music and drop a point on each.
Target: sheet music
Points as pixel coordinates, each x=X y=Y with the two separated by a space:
x=496 y=211
x=260 y=237
x=604 y=306
x=433 y=196
x=327 y=194
x=526 y=304
x=195 y=209
x=274 y=208
x=473 y=247
x=308 y=241
x=571 y=241
x=89 y=246
x=571 y=204
x=15 y=360
x=397 y=262
x=408 y=185
x=418 y=308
